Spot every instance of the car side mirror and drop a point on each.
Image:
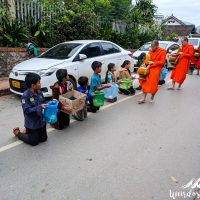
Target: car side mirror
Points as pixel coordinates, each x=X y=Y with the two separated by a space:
x=82 y=56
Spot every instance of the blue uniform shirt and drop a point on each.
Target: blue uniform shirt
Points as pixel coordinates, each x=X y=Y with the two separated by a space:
x=95 y=82
x=84 y=90
x=33 y=115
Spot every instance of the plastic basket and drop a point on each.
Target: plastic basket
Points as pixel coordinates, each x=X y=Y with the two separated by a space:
x=50 y=112
x=98 y=99
x=125 y=84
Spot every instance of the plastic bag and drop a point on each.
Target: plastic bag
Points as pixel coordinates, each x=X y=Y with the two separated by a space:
x=136 y=83
x=50 y=112
x=163 y=73
x=112 y=92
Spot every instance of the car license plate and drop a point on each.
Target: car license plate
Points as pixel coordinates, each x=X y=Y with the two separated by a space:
x=16 y=84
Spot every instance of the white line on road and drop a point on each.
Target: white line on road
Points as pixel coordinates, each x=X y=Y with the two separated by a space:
x=49 y=130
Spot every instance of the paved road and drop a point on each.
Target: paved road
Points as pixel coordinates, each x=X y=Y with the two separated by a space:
x=125 y=152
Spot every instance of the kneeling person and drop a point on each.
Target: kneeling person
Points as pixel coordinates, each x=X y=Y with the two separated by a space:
x=33 y=105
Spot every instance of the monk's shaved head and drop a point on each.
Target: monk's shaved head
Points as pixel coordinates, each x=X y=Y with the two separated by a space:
x=184 y=41
x=154 y=45
x=155 y=42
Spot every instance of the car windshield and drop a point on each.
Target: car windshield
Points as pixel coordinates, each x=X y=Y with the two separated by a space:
x=147 y=46
x=62 y=51
x=193 y=42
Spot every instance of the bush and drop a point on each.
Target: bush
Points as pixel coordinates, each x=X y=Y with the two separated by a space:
x=13 y=34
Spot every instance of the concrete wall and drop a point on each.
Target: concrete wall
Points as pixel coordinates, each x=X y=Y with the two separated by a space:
x=9 y=57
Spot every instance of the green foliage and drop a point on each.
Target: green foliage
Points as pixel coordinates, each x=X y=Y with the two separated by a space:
x=13 y=34
x=65 y=20
x=172 y=37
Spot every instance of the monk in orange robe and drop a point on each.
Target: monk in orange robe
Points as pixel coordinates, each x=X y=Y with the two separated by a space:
x=186 y=53
x=155 y=65
x=197 y=62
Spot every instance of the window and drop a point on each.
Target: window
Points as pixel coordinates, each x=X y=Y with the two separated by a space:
x=173 y=47
x=92 y=50
x=62 y=51
x=109 y=48
x=116 y=49
x=194 y=42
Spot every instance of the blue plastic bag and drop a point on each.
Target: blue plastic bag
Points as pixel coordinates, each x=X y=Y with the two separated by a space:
x=112 y=92
x=50 y=112
x=163 y=73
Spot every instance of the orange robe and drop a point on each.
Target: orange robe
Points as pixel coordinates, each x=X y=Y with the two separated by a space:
x=150 y=85
x=196 y=62
x=179 y=73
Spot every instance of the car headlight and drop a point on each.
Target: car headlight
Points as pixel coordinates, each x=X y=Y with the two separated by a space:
x=48 y=72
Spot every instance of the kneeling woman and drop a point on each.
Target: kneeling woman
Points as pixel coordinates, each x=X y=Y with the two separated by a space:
x=125 y=73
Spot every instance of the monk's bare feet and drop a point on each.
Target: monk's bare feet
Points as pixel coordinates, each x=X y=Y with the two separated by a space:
x=142 y=101
x=151 y=101
x=170 y=88
x=179 y=88
x=16 y=131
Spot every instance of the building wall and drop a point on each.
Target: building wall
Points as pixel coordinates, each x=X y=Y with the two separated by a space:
x=9 y=57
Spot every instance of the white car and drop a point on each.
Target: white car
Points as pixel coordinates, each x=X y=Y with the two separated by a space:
x=75 y=56
x=195 y=42
x=168 y=45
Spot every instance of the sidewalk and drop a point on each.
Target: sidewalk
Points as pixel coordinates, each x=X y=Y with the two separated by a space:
x=4 y=87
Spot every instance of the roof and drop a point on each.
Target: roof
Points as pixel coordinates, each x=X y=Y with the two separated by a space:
x=178 y=20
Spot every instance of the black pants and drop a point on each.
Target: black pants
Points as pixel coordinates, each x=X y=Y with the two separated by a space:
x=63 y=120
x=34 y=137
x=91 y=107
x=130 y=91
x=191 y=68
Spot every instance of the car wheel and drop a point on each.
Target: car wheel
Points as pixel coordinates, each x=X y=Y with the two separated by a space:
x=72 y=82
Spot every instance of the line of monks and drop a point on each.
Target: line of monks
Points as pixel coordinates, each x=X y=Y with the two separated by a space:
x=156 y=63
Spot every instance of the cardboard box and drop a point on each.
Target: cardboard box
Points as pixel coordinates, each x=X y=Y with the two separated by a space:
x=77 y=104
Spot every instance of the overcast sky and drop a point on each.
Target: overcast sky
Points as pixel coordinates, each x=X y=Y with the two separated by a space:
x=186 y=10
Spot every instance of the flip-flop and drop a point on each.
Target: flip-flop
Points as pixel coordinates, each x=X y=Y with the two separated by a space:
x=14 y=131
x=141 y=101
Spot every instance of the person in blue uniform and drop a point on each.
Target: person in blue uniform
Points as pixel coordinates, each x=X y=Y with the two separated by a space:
x=96 y=84
x=33 y=104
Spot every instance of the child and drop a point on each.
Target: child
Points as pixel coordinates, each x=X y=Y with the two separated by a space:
x=59 y=88
x=83 y=88
x=125 y=73
x=110 y=74
x=96 y=84
x=33 y=105
x=32 y=49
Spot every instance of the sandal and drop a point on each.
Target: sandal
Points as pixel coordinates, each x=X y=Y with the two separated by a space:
x=170 y=88
x=142 y=101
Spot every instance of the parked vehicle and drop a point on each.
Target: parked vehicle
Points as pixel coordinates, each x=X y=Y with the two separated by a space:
x=168 y=45
x=194 y=41
x=75 y=56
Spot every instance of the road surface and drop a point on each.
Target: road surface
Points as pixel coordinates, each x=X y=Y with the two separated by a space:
x=125 y=152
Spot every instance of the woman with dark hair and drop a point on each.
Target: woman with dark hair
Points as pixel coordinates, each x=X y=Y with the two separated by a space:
x=125 y=73
x=59 y=88
x=110 y=74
